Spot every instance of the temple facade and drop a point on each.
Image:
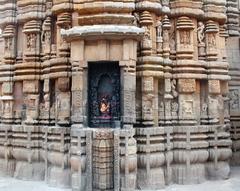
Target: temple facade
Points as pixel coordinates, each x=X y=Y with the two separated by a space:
x=112 y=95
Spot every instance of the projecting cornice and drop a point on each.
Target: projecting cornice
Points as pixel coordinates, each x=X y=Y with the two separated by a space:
x=103 y=32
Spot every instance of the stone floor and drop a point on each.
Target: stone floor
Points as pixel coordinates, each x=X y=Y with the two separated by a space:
x=232 y=184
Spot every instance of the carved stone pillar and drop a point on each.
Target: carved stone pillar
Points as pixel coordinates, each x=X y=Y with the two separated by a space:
x=62 y=68
x=78 y=84
x=128 y=161
x=31 y=58
x=63 y=22
x=233 y=17
x=8 y=52
x=214 y=97
x=128 y=96
x=170 y=86
x=56 y=155
x=31 y=89
x=211 y=41
x=146 y=22
x=166 y=39
x=147 y=100
x=152 y=158
x=159 y=37
x=185 y=39
x=77 y=117
x=9 y=35
x=46 y=37
x=63 y=101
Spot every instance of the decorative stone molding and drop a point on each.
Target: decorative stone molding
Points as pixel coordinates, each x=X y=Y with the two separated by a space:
x=119 y=95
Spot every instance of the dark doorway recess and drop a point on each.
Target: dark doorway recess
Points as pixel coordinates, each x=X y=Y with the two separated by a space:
x=104 y=94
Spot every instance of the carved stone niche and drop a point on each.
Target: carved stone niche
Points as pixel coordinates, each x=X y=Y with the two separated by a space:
x=7 y=106
x=211 y=40
x=63 y=108
x=166 y=39
x=214 y=87
x=188 y=108
x=63 y=84
x=30 y=86
x=162 y=36
x=187 y=103
x=9 y=42
x=234 y=102
x=46 y=36
x=146 y=23
x=159 y=38
x=201 y=40
x=32 y=40
x=32 y=112
x=184 y=34
x=30 y=89
x=186 y=85
x=118 y=44
x=63 y=101
x=213 y=109
x=7 y=88
x=63 y=22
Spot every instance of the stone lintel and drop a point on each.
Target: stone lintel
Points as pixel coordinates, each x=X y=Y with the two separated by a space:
x=103 y=32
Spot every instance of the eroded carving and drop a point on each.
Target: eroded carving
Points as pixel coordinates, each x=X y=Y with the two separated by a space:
x=200 y=32
x=31 y=42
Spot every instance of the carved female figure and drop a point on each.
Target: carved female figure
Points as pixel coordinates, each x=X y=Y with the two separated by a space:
x=200 y=32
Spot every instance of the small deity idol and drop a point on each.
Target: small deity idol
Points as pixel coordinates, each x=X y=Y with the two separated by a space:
x=104 y=106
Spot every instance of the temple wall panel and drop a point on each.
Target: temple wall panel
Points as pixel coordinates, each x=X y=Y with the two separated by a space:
x=119 y=95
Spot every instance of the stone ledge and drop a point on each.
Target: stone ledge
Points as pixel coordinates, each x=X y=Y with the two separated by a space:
x=102 y=32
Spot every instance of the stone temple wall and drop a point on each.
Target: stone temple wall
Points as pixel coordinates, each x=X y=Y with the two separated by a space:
x=233 y=54
x=174 y=120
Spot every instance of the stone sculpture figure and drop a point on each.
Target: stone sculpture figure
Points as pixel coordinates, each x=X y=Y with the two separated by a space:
x=146 y=33
x=173 y=88
x=185 y=37
x=211 y=40
x=234 y=99
x=46 y=37
x=31 y=41
x=200 y=32
x=159 y=29
x=136 y=19
x=46 y=101
x=174 y=108
x=146 y=43
x=8 y=44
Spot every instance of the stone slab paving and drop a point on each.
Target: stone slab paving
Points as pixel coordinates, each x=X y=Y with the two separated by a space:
x=232 y=184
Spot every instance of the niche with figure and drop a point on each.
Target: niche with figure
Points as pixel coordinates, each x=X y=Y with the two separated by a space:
x=104 y=94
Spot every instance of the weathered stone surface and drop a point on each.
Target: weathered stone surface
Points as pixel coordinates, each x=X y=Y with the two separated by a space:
x=160 y=115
